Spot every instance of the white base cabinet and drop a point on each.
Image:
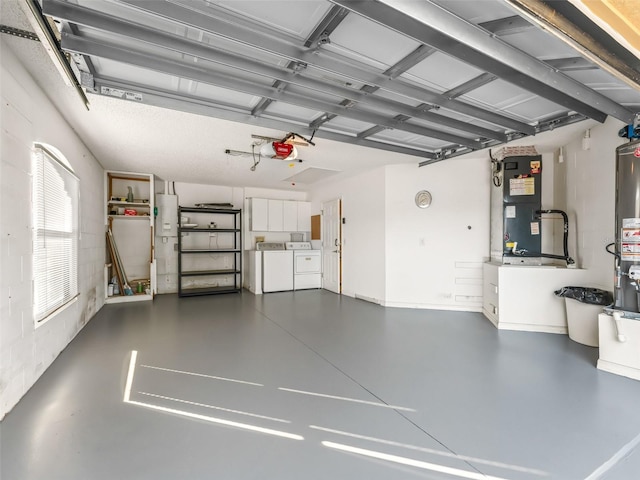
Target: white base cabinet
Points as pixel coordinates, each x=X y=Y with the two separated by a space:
x=621 y=358
x=253 y=279
x=521 y=297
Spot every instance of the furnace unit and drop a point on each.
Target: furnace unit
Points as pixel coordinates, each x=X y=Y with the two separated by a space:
x=516 y=205
x=516 y=209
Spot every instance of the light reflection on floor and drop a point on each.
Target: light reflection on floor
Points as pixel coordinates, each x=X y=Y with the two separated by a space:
x=333 y=445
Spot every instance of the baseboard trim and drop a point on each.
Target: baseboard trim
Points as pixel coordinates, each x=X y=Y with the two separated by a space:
x=623 y=370
x=521 y=327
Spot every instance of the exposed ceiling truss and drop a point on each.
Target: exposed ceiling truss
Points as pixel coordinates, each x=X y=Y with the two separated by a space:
x=432 y=79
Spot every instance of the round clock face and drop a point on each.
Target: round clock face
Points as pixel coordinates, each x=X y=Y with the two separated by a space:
x=423 y=199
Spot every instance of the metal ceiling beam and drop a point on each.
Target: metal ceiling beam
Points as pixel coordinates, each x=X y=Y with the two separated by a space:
x=202 y=19
x=185 y=69
x=377 y=129
x=94 y=19
x=507 y=25
x=371 y=131
x=544 y=126
x=409 y=61
x=470 y=85
x=428 y=23
x=198 y=106
x=263 y=104
x=572 y=64
x=321 y=120
x=500 y=27
x=327 y=25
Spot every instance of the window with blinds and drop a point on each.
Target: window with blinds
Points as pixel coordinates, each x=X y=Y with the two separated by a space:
x=55 y=246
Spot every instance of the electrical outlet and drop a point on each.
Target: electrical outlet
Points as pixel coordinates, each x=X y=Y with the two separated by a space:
x=212 y=234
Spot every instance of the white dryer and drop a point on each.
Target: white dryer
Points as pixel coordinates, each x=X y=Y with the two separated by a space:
x=307 y=265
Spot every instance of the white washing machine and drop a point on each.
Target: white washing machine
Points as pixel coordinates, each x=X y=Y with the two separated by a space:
x=307 y=265
x=277 y=267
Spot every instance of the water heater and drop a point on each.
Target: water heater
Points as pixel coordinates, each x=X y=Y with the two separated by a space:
x=627 y=233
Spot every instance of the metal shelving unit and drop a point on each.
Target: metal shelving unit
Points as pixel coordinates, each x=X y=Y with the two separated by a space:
x=209 y=251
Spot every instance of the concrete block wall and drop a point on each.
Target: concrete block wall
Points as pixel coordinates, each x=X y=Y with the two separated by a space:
x=26 y=116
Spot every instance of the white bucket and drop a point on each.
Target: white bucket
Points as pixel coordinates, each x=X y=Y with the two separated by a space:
x=582 y=321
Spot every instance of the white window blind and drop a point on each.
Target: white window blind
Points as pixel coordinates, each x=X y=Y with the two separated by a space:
x=55 y=205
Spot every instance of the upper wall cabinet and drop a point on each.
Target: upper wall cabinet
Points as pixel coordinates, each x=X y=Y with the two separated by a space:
x=259 y=214
x=304 y=216
x=268 y=215
x=290 y=216
x=276 y=216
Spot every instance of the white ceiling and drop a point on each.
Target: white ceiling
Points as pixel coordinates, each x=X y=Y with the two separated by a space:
x=188 y=147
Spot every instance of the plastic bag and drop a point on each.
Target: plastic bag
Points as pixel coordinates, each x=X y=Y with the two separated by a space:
x=592 y=296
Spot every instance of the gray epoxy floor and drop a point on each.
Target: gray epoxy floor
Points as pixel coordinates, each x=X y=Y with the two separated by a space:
x=342 y=389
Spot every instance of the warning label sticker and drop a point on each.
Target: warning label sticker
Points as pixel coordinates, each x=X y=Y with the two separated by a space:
x=536 y=166
x=510 y=211
x=630 y=251
x=631 y=222
x=535 y=228
x=116 y=92
x=631 y=234
x=522 y=186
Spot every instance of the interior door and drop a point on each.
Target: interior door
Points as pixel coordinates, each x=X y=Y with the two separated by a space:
x=332 y=246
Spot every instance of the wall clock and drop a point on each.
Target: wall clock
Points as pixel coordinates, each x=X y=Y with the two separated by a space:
x=423 y=199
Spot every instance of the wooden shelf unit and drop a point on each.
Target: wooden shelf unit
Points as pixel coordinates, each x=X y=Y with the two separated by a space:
x=132 y=234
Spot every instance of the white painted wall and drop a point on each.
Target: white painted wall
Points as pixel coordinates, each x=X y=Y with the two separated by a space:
x=434 y=256
x=401 y=255
x=190 y=194
x=590 y=197
x=363 y=234
x=27 y=116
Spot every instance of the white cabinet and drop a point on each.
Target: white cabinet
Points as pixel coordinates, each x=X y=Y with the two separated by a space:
x=290 y=214
x=259 y=215
x=517 y=297
x=269 y=215
x=276 y=217
x=304 y=217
